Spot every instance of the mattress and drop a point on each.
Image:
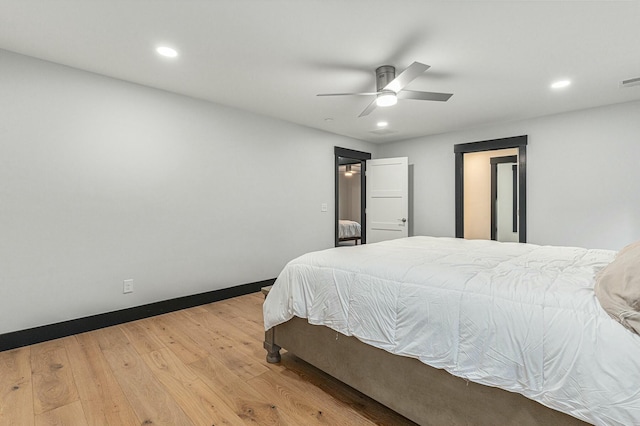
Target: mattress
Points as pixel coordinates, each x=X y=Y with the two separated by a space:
x=521 y=317
x=348 y=229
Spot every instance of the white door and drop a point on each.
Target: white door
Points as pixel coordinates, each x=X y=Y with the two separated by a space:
x=387 y=199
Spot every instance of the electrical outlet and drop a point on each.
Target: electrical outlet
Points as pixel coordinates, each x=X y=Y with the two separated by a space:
x=323 y=207
x=127 y=286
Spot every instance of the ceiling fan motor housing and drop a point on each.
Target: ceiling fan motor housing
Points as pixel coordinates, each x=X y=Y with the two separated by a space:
x=384 y=75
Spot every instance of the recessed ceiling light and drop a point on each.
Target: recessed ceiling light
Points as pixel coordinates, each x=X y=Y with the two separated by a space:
x=382 y=124
x=560 y=84
x=167 y=51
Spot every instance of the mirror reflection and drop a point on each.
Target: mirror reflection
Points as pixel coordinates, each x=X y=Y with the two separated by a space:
x=349 y=201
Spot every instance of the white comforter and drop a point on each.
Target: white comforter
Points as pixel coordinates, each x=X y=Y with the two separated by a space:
x=517 y=316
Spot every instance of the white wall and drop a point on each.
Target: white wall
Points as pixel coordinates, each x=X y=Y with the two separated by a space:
x=103 y=180
x=583 y=176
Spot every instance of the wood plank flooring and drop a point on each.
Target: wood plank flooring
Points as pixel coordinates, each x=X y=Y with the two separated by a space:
x=200 y=366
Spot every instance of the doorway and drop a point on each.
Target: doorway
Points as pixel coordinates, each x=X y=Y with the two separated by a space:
x=350 y=196
x=462 y=173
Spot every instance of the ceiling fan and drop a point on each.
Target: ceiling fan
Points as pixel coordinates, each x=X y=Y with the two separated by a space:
x=390 y=88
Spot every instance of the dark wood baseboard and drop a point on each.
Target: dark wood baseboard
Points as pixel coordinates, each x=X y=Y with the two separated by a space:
x=43 y=333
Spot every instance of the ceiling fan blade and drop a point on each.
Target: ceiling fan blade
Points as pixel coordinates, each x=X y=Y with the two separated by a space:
x=348 y=94
x=424 y=96
x=369 y=108
x=412 y=72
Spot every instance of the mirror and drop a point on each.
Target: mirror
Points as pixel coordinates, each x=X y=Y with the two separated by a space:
x=504 y=198
x=349 y=201
x=350 y=167
x=491 y=189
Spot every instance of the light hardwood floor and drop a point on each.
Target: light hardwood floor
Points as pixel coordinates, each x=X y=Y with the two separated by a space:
x=199 y=366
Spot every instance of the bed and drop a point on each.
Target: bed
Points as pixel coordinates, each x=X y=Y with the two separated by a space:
x=349 y=230
x=450 y=331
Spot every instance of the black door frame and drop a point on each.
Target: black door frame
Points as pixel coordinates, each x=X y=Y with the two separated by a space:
x=519 y=142
x=362 y=157
x=494 y=161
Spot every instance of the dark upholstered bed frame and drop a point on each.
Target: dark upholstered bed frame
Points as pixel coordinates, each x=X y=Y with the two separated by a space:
x=356 y=239
x=424 y=394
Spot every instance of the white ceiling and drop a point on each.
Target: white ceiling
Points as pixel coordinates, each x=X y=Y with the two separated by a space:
x=272 y=57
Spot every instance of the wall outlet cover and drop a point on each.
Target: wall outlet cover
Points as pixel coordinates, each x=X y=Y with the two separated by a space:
x=127 y=286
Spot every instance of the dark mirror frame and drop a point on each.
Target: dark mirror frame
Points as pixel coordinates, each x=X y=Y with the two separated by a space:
x=519 y=142
x=494 y=193
x=362 y=157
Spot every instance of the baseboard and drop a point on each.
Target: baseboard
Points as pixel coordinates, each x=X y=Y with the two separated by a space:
x=43 y=333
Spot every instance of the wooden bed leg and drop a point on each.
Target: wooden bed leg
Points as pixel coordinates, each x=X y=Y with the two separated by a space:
x=273 y=350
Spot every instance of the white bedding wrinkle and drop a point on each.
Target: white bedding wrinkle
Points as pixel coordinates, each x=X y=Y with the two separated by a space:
x=520 y=317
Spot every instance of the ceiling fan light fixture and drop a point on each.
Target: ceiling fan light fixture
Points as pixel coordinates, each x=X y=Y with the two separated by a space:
x=348 y=171
x=389 y=86
x=386 y=99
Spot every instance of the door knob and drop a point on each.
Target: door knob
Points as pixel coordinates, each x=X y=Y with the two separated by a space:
x=403 y=220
